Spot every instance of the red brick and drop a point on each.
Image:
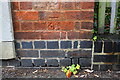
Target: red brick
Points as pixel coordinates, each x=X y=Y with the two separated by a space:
x=87 y=15
x=53 y=25
x=67 y=25
x=40 y=5
x=77 y=26
x=25 y=5
x=63 y=35
x=50 y=35
x=85 y=35
x=26 y=26
x=72 y=15
x=87 y=5
x=87 y=25
x=40 y=25
x=50 y=15
x=15 y=5
x=27 y=35
x=25 y=15
x=16 y=25
x=73 y=35
x=79 y=35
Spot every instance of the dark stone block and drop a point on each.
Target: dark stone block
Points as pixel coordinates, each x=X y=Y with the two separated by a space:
x=75 y=44
x=75 y=61
x=52 y=53
x=98 y=46
x=116 y=47
x=4 y=63
x=15 y=63
x=85 y=62
x=105 y=58
x=96 y=67
x=65 y=62
x=27 y=53
x=116 y=67
x=17 y=45
x=52 y=45
x=52 y=63
x=66 y=44
x=26 y=63
x=39 y=44
x=27 y=45
x=105 y=67
x=85 y=44
x=39 y=62
x=108 y=46
x=79 y=53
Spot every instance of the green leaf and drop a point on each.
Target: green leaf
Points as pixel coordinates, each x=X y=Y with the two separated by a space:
x=65 y=70
x=75 y=72
x=78 y=66
x=95 y=38
x=73 y=65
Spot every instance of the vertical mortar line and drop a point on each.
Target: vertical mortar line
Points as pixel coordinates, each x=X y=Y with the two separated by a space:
x=102 y=46
x=33 y=45
x=39 y=53
x=59 y=44
x=92 y=56
x=78 y=47
x=45 y=44
x=20 y=44
x=72 y=44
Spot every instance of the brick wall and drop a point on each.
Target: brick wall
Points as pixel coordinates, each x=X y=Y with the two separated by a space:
x=50 y=34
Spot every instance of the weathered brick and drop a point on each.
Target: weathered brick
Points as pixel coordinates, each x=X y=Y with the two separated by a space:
x=52 y=63
x=50 y=35
x=53 y=5
x=67 y=25
x=27 y=53
x=85 y=44
x=105 y=67
x=108 y=46
x=25 y=5
x=52 y=45
x=16 y=25
x=40 y=5
x=52 y=53
x=77 y=26
x=25 y=15
x=17 y=45
x=4 y=62
x=15 y=5
x=26 y=63
x=75 y=44
x=63 y=35
x=79 y=53
x=67 y=5
x=39 y=44
x=66 y=44
x=105 y=58
x=87 y=25
x=98 y=46
x=116 y=67
x=65 y=62
x=85 y=62
x=75 y=61
x=14 y=62
x=85 y=35
x=39 y=62
x=87 y=15
x=27 y=45
x=87 y=5
x=27 y=35
x=40 y=25
x=73 y=35
x=26 y=25
x=50 y=15
x=54 y=25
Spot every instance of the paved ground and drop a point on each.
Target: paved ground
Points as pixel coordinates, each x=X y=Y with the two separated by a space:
x=54 y=73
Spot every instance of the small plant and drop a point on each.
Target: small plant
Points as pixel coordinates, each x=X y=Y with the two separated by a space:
x=69 y=70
